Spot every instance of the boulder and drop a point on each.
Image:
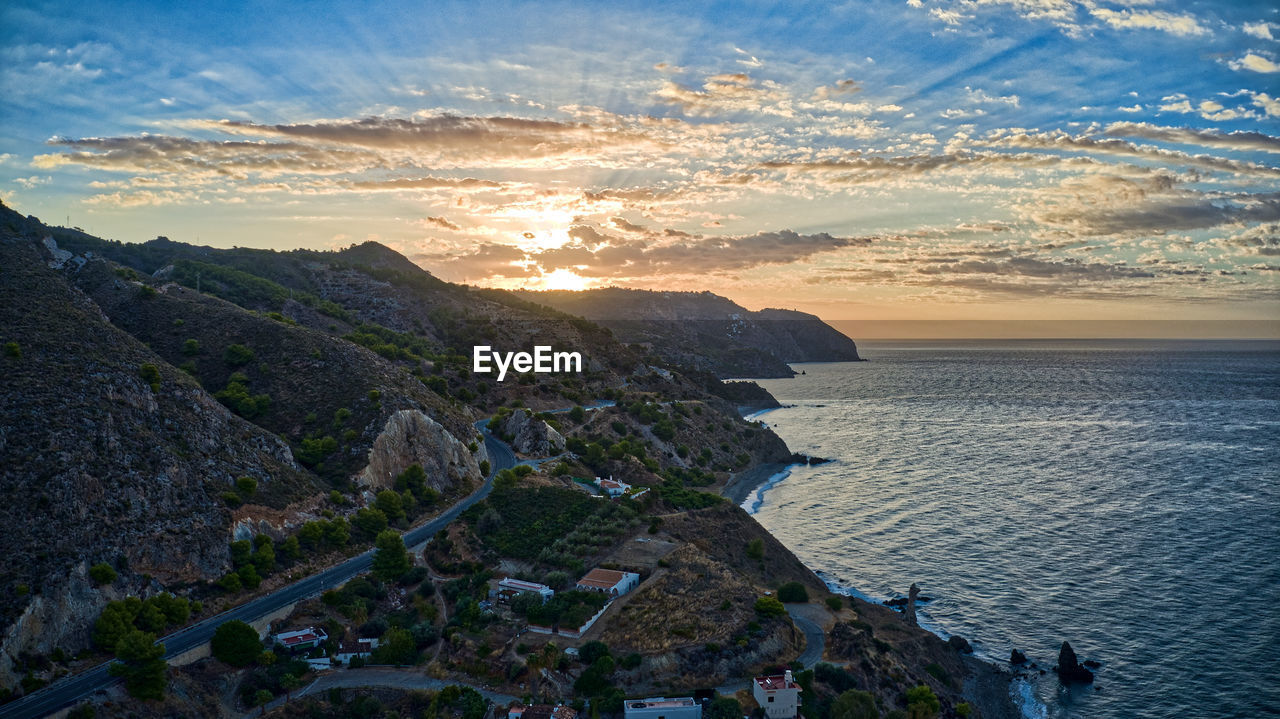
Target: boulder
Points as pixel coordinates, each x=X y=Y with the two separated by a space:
x=531 y=436
x=411 y=437
x=960 y=644
x=1017 y=657
x=1069 y=667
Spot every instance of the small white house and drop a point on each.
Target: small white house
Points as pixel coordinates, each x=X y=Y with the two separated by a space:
x=511 y=586
x=662 y=708
x=308 y=638
x=779 y=695
x=360 y=648
x=609 y=581
x=612 y=487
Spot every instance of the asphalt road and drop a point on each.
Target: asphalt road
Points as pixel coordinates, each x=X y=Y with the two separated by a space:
x=71 y=690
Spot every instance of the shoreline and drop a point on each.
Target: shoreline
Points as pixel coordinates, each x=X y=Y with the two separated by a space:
x=991 y=686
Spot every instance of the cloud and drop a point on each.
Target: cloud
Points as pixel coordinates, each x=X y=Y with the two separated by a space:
x=591 y=253
x=1039 y=268
x=1244 y=141
x=726 y=93
x=840 y=88
x=1061 y=141
x=440 y=222
x=1182 y=25
x=426 y=183
x=167 y=154
x=452 y=140
x=1260 y=30
x=1255 y=62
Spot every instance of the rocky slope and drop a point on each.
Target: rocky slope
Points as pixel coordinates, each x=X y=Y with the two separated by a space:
x=105 y=460
x=706 y=332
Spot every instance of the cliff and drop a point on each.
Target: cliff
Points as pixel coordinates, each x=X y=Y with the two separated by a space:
x=706 y=332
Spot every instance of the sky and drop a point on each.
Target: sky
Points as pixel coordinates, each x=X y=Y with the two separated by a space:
x=871 y=161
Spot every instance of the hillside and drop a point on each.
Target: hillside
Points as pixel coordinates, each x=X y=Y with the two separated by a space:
x=707 y=332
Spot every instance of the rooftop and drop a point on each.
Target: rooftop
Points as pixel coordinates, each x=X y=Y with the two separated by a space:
x=776 y=682
x=310 y=634
x=660 y=703
x=602 y=578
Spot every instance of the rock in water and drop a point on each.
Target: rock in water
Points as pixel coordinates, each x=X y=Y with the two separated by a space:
x=1017 y=657
x=910 y=607
x=960 y=644
x=1069 y=668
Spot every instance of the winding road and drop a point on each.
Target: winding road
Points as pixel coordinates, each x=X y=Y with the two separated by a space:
x=73 y=689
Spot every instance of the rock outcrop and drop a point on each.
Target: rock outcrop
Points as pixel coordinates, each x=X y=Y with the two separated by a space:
x=531 y=436
x=411 y=437
x=1069 y=667
x=1017 y=657
x=909 y=608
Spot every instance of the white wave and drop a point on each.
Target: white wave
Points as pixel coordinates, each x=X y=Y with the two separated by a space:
x=1023 y=693
x=756 y=499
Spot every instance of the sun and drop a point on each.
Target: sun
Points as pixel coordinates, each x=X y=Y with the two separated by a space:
x=562 y=279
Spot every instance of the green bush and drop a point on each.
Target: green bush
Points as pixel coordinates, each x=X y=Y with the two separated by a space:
x=755 y=549
x=13 y=350
x=191 y=347
x=854 y=704
x=246 y=486
x=835 y=603
x=102 y=573
x=237 y=355
x=769 y=607
x=922 y=703
x=793 y=592
x=390 y=560
x=151 y=375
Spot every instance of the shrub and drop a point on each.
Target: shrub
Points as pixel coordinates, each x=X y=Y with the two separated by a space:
x=769 y=607
x=390 y=560
x=835 y=603
x=151 y=375
x=246 y=486
x=921 y=703
x=12 y=349
x=793 y=592
x=237 y=355
x=755 y=549
x=102 y=573
x=854 y=704
x=191 y=347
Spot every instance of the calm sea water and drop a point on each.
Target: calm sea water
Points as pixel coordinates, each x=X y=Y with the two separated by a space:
x=1124 y=496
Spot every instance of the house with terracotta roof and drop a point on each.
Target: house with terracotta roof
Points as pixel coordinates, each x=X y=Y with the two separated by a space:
x=779 y=695
x=609 y=581
x=612 y=487
x=308 y=638
x=361 y=648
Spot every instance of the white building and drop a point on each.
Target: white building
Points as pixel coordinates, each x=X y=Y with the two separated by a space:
x=510 y=587
x=609 y=581
x=612 y=487
x=779 y=695
x=308 y=638
x=662 y=708
x=361 y=648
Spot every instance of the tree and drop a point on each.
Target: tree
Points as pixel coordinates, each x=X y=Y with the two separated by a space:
x=370 y=521
x=102 y=573
x=237 y=355
x=288 y=683
x=793 y=592
x=591 y=651
x=921 y=703
x=577 y=413
x=391 y=504
x=390 y=561
x=246 y=486
x=854 y=704
x=141 y=665
x=723 y=707
x=262 y=698
x=397 y=647
x=236 y=643
x=755 y=549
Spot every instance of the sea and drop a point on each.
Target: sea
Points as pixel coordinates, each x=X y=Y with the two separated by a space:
x=1121 y=495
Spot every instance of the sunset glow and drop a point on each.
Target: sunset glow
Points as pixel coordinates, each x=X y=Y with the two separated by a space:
x=929 y=159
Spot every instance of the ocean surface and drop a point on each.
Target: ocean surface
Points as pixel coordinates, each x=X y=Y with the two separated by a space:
x=1122 y=495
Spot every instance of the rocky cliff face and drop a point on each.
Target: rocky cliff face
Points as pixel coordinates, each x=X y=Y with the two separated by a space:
x=411 y=437
x=531 y=436
x=706 y=332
